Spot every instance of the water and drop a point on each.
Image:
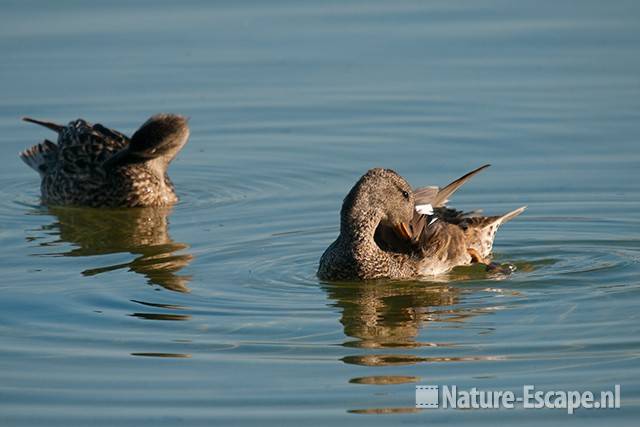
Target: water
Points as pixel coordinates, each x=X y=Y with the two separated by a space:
x=210 y=312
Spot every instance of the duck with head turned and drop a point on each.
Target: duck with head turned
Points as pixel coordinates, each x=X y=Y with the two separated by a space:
x=94 y=166
x=390 y=231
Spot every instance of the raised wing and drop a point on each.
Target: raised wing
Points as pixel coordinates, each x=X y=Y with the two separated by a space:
x=428 y=219
x=81 y=147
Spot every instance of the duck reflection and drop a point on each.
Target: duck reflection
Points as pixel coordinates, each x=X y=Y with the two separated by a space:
x=383 y=315
x=387 y=315
x=139 y=231
x=384 y=321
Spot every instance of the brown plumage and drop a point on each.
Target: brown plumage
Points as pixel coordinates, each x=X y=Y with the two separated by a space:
x=92 y=165
x=387 y=230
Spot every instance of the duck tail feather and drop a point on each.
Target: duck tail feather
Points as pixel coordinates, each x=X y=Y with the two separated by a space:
x=37 y=156
x=511 y=215
x=49 y=125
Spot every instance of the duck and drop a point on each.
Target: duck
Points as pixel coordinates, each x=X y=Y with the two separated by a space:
x=390 y=231
x=91 y=165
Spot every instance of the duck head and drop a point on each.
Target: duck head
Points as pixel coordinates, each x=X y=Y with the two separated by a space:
x=161 y=137
x=155 y=143
x=380 y=197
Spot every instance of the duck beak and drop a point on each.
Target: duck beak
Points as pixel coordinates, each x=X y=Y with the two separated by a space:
x=403 y=230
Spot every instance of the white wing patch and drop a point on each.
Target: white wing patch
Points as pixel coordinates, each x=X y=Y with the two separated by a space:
x=435 y=218
x=425 y=209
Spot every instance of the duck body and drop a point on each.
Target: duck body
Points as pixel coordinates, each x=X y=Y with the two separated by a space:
x=94 y=166
x=389 y=231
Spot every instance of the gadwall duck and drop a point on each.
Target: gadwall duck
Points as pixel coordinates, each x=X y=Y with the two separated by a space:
x=388 y=230
x=94 y=166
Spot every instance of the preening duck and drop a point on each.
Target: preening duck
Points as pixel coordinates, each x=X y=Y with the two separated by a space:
x=388 y=230
x=92 y=165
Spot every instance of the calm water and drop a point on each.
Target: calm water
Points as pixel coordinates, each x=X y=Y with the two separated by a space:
x=211 y=311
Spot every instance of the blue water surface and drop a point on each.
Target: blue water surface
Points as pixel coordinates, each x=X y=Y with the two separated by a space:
x=210 y=313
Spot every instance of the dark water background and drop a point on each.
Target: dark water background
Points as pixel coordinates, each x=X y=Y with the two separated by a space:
x=211 y=312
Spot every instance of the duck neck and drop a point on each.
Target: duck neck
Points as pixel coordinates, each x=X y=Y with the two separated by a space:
x=358 y=224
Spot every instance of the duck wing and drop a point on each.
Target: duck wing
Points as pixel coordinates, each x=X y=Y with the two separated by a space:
x=437 y=197
x=432 y=234
x=428 y=221
x=474 y=233
x=80 y=151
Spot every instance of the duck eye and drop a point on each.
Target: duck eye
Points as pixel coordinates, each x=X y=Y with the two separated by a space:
x=405 y=195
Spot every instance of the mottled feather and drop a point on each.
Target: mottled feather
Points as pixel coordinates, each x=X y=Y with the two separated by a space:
x=436 y=242
x=77 y=170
